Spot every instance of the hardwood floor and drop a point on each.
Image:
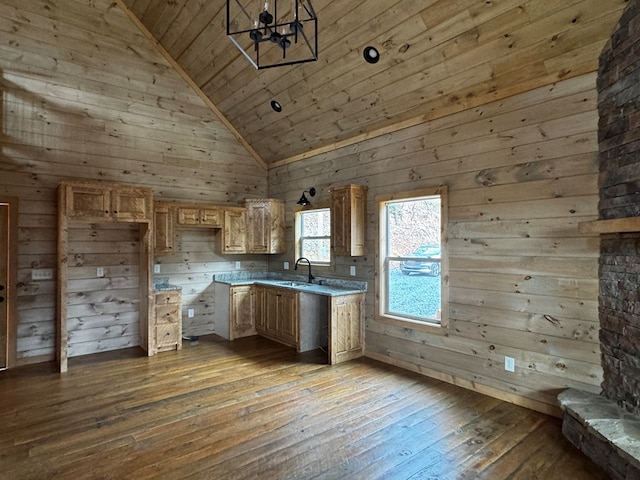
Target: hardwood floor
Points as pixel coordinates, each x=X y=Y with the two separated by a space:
x=254 y=409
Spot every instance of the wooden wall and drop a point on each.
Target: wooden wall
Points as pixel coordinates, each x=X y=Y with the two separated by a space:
x=521 y=174
x=85 y=95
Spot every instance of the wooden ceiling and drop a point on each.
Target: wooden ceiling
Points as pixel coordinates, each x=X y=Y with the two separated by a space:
x=437 y=57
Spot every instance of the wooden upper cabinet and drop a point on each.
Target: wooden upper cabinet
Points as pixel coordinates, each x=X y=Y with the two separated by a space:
x=107 y=202
x=235 y=230
x=349 y=220
x=265 y=226
x=164 y=231
x=207 y=216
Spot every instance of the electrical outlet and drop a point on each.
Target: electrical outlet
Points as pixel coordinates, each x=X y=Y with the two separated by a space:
x=100 y=272
x=156 y=268
x=42 y=274
x=286 y=265
x=238 y=265
x=352 y=270
x=190 y=313
x=509 y=364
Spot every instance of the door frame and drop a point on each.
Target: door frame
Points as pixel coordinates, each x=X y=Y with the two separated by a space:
x=12 y=279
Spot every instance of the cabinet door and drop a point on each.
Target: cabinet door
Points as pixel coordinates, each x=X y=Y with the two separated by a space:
x=339 y=222
x=211 y=217
x=131 y=204
x=260 y=309
x=242 y=312
x=348 y=220
x=271 y=311
x=87 y=202
x=258 y=230
x=188 y=216
x=265 y=226
x=346 y=334
x=164 y=234
x=235 y=231
x=288 y=316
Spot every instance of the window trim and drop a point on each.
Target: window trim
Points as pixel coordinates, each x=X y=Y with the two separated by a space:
x=381 y=262
x=298 y=235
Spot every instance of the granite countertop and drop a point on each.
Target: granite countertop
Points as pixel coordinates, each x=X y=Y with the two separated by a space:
x=321 y=286
x=161 y=284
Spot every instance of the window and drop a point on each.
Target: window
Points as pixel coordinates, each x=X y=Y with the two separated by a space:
x=313 y=235
x=413 y=257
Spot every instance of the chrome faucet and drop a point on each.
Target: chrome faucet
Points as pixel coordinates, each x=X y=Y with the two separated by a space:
x=311 y=277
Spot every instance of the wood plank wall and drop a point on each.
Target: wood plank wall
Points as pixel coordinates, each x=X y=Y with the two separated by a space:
x=85 y=95
x=103 y=312
x=521 y=174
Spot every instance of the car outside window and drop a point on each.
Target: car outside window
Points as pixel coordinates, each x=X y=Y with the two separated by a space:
x=412 y=257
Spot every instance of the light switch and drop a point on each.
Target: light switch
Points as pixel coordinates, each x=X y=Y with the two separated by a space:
x=509 y=364
x=190 y=313
x=352 y=270
x=286 y=265
x=238 y=265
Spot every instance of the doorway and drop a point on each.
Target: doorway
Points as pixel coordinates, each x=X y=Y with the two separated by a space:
x=8 y=275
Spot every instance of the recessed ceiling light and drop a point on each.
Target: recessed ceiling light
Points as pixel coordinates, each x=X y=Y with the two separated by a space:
x=276 y=106
x=371 y=54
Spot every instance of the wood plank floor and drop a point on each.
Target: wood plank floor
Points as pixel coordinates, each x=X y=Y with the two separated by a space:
x=252 y=409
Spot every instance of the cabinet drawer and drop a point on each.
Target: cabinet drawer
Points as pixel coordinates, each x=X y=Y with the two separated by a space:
x=166 y=314
x=211 y=217
x=167 y=334
x=168 y=297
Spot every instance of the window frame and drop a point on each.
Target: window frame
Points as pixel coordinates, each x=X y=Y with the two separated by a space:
x=299 y=238
x=382 y=261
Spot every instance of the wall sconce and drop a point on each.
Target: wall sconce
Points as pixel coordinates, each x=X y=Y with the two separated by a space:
x=303 y=199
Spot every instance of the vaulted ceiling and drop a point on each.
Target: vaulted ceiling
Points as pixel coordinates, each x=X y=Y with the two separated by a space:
x=437 y=57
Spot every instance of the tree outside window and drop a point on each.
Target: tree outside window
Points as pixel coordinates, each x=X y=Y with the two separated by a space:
x=313 y=235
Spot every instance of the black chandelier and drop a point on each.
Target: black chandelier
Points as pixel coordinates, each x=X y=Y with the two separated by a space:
x=273 y=33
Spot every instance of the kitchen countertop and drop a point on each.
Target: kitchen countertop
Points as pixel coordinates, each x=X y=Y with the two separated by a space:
x=321 y=286
x=161 y=284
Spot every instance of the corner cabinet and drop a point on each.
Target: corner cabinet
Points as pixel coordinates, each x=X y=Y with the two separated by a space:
x=265 y=226
x=349 y=220
x=277 y=314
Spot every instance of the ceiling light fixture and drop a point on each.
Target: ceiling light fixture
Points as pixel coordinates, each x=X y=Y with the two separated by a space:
x=371 y=54
x=303 y=199
x=273 y=33
x=276 y=106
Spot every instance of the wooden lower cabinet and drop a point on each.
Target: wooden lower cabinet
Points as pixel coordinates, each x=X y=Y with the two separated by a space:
x=242 y=312
x=304 y=321
x=277 y=314
x=168 y=320
x=346 y=327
